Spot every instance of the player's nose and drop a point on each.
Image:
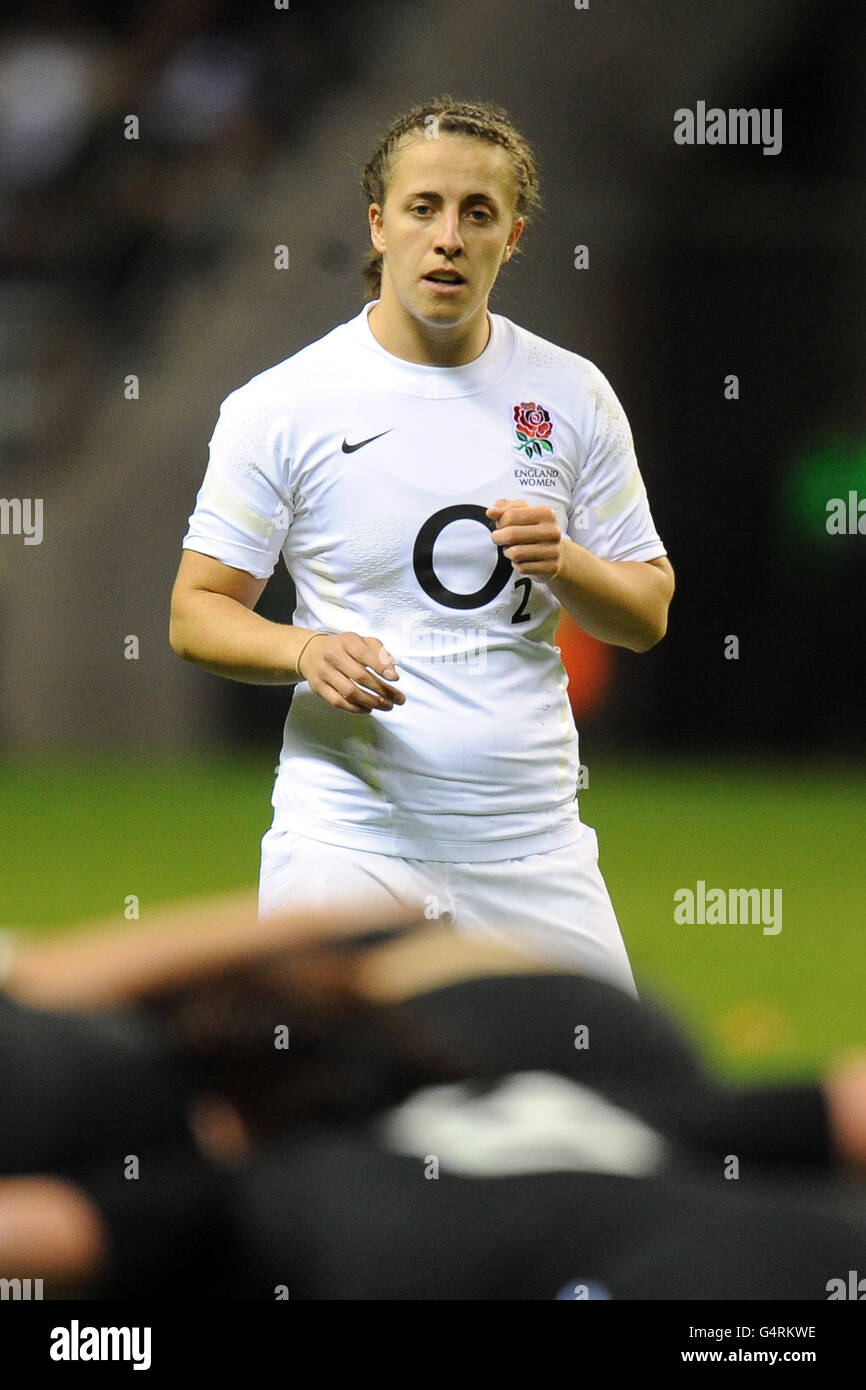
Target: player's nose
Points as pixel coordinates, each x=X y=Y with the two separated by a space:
x=448 y=239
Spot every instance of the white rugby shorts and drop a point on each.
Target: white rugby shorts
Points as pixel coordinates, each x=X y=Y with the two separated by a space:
x=553 y=905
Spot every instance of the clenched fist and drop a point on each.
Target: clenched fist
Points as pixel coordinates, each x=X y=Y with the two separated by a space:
x=530 y=536
x=344 y=669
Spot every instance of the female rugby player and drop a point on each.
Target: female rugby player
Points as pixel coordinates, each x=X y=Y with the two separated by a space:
x=439 y=481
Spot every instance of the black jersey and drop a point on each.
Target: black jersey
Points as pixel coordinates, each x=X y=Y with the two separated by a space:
x=583 y=1144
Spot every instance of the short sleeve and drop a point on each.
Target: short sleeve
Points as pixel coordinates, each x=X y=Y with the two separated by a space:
x=609 y=512
x=243 y=510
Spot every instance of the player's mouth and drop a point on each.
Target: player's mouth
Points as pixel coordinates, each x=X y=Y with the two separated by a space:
x=444 y=281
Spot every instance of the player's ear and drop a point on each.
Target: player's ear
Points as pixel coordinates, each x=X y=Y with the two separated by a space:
x=513 y=239
x=377 y=236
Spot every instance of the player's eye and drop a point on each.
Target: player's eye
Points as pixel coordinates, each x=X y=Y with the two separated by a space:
x=480 y=215
x=422 y=208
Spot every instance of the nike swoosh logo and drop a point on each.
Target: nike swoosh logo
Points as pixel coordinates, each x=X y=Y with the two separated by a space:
x=350 y=448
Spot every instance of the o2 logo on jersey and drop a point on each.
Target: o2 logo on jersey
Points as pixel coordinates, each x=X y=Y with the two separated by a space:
x=422 y=563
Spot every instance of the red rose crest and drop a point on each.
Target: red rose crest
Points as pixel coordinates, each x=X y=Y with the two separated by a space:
x=533 y=427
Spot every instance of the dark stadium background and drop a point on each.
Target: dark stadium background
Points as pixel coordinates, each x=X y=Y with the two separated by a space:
x=154 y=257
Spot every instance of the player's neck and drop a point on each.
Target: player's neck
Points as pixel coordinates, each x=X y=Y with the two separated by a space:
x=398 y=332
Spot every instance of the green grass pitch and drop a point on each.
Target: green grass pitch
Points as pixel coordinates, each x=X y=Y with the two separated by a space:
x=81 y=834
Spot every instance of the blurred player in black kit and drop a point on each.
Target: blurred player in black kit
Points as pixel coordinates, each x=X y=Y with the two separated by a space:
x=576 y=1134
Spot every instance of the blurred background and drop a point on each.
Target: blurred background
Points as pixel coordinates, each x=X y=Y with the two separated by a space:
x=153 y=257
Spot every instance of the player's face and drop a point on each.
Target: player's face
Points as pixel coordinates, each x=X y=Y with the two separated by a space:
x=446 y=227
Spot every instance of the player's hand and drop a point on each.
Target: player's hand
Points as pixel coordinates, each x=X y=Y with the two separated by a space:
x=530 y=537
x=345 y=669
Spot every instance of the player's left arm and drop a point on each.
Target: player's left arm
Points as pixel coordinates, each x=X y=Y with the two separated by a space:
x=624 y=602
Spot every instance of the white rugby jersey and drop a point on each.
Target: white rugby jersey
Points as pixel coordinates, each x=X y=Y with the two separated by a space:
x=372 y=475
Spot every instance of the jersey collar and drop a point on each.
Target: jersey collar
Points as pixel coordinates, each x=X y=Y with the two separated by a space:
x=440 y=383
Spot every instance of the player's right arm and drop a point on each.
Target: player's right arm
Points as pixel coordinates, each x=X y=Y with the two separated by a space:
x=213 y=623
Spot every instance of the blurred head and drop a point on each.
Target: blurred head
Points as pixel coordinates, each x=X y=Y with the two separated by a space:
x=292 y=1039
x=450 y=188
